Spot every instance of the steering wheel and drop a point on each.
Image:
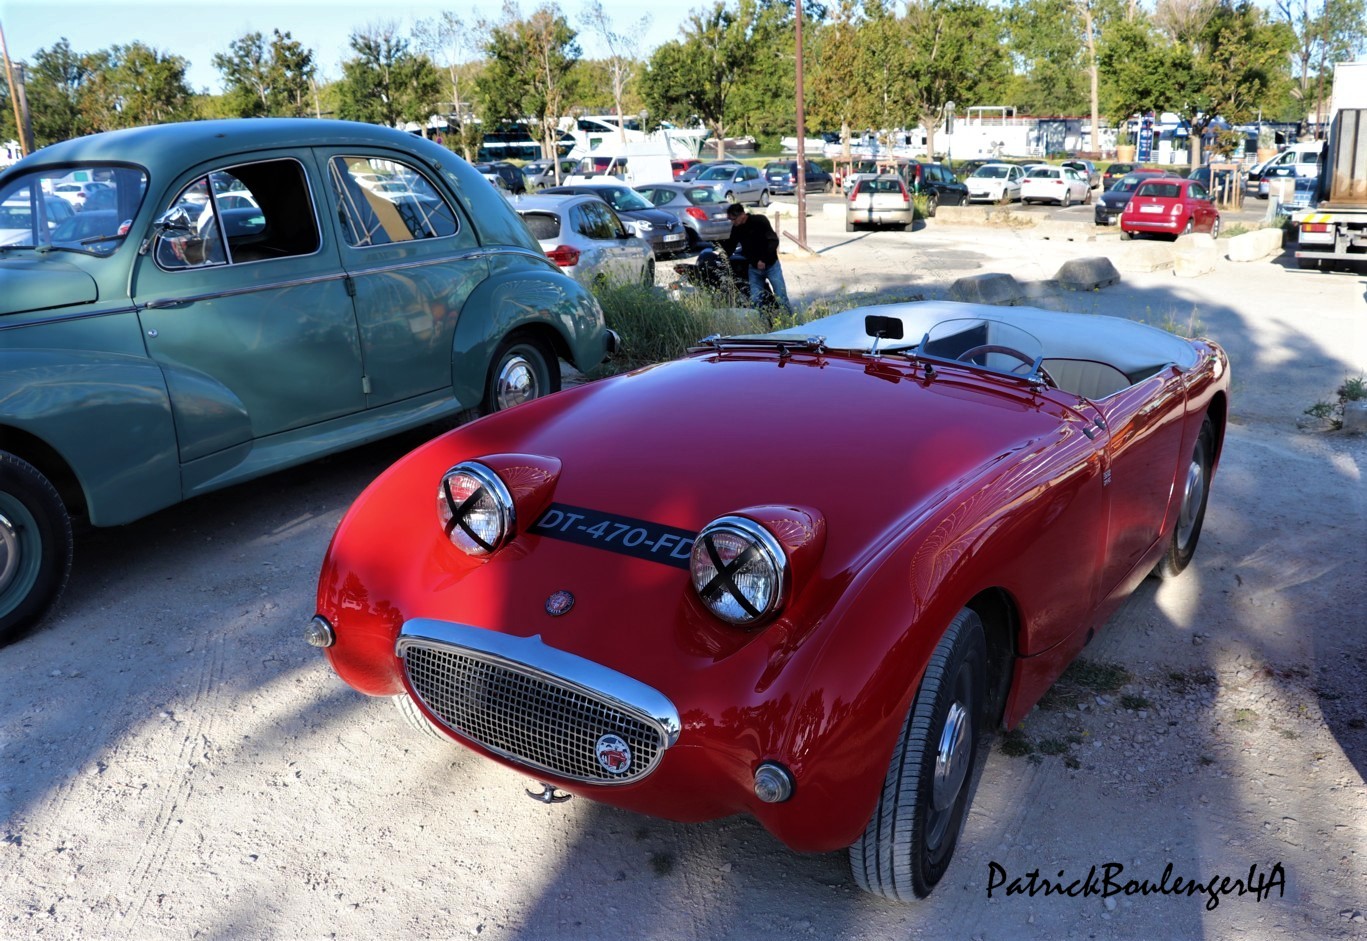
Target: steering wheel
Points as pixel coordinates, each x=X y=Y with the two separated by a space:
x=967 y=356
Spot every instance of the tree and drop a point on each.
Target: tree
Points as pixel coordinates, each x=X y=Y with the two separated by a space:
x=526 y=69
x=246 y=71
x=1323 y=32
x=950 y=50
x=145 y=85
x=1044 y=38
x=840 y=91
x=55 y=82
x=385 y=83
x=448 y=39
x=620 y=66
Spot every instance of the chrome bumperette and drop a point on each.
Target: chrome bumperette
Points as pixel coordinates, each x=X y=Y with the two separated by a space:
x=534 y=705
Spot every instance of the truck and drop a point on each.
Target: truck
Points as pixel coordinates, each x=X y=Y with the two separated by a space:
x=1334 y=229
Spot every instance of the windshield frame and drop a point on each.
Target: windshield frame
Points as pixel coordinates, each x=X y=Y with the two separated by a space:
x=41 y=180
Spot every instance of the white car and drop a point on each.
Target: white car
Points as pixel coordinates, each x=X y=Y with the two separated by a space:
x=1062 y=185
x=582 y=235
x=995 y=183
x=77 y=193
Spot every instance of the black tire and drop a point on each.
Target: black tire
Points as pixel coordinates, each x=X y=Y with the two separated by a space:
x=932 y=203
x=1126 y=236
x=1215 y=228
x=910 y=839
x=830 y=187
x=35 y=547
x=849 y=226
x=1067 y=199
x=730 y=197
x=1191 y=224
x=1087 y=200
x=415 y=718
x=648 y=276
x=1191 y=511
x=524 y=368
x=764 y=197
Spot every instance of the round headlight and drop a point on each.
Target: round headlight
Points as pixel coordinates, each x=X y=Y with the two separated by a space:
x=737 y=569
x=475 y=509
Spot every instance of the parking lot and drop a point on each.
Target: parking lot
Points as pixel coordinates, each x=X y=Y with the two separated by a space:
x=177 y=763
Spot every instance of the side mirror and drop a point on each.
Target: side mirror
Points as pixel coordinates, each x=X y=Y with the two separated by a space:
x=176 y=220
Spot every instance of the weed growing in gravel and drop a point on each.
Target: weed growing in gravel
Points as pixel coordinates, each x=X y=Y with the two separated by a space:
x=1017 y=744
x=662 y=863
x=1353 y=389
x=1245 y=718
x=1193 y=327
x=1083 y=680
x=1134 y=702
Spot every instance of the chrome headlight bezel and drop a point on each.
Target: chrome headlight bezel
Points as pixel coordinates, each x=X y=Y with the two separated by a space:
x=489 y=495
x=713 y=578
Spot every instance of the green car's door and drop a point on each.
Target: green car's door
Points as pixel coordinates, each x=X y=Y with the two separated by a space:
x=246 y=307
x=414 y=259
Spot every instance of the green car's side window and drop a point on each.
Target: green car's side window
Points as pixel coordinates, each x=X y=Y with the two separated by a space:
x=381 y=201
x=251 y=212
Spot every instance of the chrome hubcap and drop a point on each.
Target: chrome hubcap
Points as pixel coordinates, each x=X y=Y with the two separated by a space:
x=951 y=759
x=10 y=554
x=517 y=382
x=1192 y=494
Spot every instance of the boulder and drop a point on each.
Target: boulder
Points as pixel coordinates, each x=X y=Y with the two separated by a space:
x=991 y=288
x=1194 y=255
x=1143 y=255
x=1087 y=274
x=1255 y=245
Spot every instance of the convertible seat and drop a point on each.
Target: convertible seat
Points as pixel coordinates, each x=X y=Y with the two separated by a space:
x=1086 y=377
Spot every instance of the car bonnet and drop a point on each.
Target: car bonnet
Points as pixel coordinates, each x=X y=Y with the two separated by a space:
x=28 y=284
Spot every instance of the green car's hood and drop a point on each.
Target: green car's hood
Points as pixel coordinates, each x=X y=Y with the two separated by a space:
x=41 y=284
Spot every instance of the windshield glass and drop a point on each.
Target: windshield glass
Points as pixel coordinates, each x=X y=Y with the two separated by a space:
x=625 y=200
x=990 y=172
x=991 y=344
x=86 y=209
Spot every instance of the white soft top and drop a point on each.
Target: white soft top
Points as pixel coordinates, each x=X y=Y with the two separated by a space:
x=1133 y=348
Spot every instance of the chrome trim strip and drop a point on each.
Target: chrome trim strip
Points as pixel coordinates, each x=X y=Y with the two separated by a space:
x=164 y=302
x=556 y=666
x=65 y=317
x=472 y=253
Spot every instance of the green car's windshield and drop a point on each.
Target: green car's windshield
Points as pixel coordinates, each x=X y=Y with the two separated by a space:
x=87 y=208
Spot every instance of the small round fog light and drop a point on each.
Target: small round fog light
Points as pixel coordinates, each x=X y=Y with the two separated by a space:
x=319 y=632
x=773 y=783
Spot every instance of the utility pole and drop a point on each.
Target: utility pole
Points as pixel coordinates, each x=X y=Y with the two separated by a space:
x=801 y=173
x=23 y=126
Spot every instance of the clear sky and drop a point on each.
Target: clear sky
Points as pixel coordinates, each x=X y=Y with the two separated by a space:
x=198 y=30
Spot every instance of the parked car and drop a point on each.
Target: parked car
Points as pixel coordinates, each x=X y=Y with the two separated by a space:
x=782 y=178
x=76 y=193
x=736 y=184
x=995 y=183
x=1110 y=204
x=692 y=618
x=689 y=174
x=582 y=235
x=665 y=233
x=1115 y=171
x=682 y=166
x=19 y=216
x=701 y=211
x=541 y=173
x=151 y=352
x=939 y=185
x=1061 y=185
x=1085 y=169
x=509 y=173
x=1170 y=206
x=881 y=200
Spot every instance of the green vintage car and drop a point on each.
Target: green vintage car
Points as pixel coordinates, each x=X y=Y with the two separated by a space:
x=242 y=296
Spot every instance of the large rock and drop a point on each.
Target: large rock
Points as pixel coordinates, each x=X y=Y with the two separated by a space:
x=1194 y=255
x=1143 y=255
x=991 y=288
x=1087 y=274
x=1255 y=245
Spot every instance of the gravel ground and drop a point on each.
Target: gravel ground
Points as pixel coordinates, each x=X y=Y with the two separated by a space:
x=175 y=763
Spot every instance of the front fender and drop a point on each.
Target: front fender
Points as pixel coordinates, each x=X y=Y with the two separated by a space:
x=109 y=417
x=524 y=291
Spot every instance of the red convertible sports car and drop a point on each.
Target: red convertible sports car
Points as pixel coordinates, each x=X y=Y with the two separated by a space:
x=796 y=575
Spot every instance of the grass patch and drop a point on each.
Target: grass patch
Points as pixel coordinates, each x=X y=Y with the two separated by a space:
x=662 y=863
x=1186 y=682
x=1053 y=746
x=1085 y=678
x=1134 y=702
x=1017 y=744
x=1245 y=718
x=1192 y=328
x=1288 y=734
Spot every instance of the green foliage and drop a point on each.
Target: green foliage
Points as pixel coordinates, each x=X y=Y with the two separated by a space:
x=655 y=327
x=261 y=80
x=1045 y=38
x=385 y=82
x=1353 y=389
x=526 y=70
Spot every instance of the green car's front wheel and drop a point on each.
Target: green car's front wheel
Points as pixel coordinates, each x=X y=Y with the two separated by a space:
x=524 y=368
x=35 y=546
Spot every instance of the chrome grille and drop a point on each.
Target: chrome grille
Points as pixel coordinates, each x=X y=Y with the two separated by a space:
x=529 y=717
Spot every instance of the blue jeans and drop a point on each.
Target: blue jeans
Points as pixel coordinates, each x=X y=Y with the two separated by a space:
x=774 y=275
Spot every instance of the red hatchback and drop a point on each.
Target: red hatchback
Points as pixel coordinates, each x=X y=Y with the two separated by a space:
x=1171 y=207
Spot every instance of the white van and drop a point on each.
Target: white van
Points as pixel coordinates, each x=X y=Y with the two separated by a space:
x=1305 y=157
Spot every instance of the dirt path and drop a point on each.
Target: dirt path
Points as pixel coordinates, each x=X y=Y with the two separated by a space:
x=174 y=762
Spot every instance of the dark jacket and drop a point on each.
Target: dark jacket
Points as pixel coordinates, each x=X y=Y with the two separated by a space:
x=755 y=239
